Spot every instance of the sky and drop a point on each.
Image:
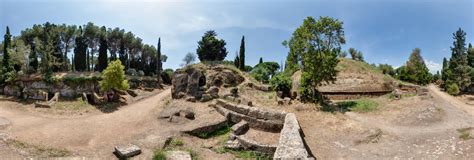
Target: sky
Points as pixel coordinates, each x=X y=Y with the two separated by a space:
x=386 y=31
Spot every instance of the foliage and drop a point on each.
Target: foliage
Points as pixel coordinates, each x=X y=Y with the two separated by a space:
x=445 y=70
x=465 y=133
x=356 y=55
x=77 y=80
x=415 y=70
x=260 y=61
x=342 y=54
x=159 y=155
x=263 y=71
x=315 y=45
x=189 y=58
x=458 y=64
x=452 y=89
x=167 y=75
x=242 y=54
x=236 y=61
x=159 y=63
x=210 y=48
x=114 y=77
x=387 y=69
x=281 y=82
x=102 y=52
x=437 y=76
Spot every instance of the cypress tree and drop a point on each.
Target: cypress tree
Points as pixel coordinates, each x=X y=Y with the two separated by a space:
x=470 y=55
x=80 y=52
x=242 y=54
x=237 y=60
x=416 y=68
x=33 y=57
x=102 y=54
x=6 y=55
x=260 y=61
x=458 y=64
x=158 y=63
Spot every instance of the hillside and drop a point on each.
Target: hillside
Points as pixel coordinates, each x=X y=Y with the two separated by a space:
x=355 y=76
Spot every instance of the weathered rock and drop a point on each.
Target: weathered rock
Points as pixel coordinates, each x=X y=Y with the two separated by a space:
x=119 y=91
x=294 y=95
x=213 y=91
x=178 y=155
x=234 y=91
x=253 y=145
x=279 y=94
x=126 y=151
x=191 y=99
x=188 y=113
x=96 y=99
x=180 y=84
x=206 y=97
x=125 y=99
x=55 y=97
x=232 y=144
x=240 y=128
x=397 y=94
x=280 y=101
x=180 y=95
x=195 y=79
x=287 y=101
x=84 y=97
x=132 y=93
x=291 y=145
x=12 y=90
x=224 y=77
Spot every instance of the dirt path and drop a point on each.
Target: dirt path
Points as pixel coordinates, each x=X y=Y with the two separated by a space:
x=92 y=135
x=451 y=100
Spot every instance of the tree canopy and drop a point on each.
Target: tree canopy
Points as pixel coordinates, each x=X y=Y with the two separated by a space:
x=210 y=48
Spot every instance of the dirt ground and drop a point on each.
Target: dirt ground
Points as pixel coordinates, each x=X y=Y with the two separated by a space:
x=416 y=127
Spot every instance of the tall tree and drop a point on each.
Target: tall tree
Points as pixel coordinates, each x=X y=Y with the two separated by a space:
x=315 y=45
x=260 y=61
x=159 y=66
x=189 y=58
x=80 y=52
x=91 y=34
x=458 y=64
x=416 y=69
x=210 y=48
x=6 y=55
x=236 y=60
x=470 y=55
x=103 y=50
x=242 y=54
x=445 y=70
x=67 y=41
x=33 y=57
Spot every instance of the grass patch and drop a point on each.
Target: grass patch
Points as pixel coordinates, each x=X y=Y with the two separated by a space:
x=224 y=130
x=38 y=150
x=72 y=105
x=160 y=154
x=391 y=96
x=465 y=133
x=243 y=154
x=361 y=105
x=176 y=142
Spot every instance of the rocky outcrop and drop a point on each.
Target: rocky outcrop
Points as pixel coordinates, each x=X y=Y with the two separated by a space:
x=291 y=144
x=189 y=82
x=178 y=155
x=223 y=76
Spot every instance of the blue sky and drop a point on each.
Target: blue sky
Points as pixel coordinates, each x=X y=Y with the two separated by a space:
x=385 y=31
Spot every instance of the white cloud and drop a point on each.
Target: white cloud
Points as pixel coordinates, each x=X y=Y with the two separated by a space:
x=433 y=66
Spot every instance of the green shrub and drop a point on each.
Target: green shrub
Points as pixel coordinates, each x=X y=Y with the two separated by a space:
x=167 y=75
x=360 y=105
x=114 y=77
x=159 y=155
x=281 y=82
x=452 y=89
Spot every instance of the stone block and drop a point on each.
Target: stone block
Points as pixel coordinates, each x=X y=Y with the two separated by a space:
x=126 y=151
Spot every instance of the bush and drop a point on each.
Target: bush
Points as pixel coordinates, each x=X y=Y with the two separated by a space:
x=452 y=89
x=140 y=73
x=114 y=77
x=167 y=75
x=281 y=82
x=132 y=72
x=261 y=74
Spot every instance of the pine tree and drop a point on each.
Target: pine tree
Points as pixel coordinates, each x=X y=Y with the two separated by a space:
x=416 y=69
x=445 y=70
x=260 y=61
x=102 y=54
x=458 y=64
x=159 y=64
x=242 y=54
x=470 y=55
x=210 y=48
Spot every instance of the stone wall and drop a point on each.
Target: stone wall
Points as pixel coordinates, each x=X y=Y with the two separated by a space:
x=291 y=144
x=258 y=118
x=36 y=88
